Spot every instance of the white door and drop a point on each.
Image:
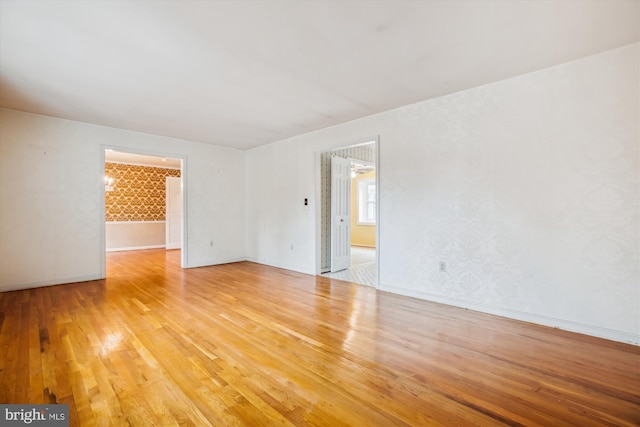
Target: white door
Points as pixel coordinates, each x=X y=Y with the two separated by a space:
x=340 y=213
x=173 y=212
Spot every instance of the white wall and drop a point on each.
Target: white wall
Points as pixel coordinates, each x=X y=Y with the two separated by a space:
x=527 y=188
x=281 y=229
x=51 y=207
x=134 y=235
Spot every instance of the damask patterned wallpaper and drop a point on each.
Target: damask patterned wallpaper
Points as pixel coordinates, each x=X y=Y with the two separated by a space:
x=527 y=189
x=138 y=192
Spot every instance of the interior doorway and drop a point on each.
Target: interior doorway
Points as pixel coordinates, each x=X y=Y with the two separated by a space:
x=354 y=257
x=136 y=202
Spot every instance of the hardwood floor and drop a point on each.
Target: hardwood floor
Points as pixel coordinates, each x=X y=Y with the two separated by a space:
x=245 y=344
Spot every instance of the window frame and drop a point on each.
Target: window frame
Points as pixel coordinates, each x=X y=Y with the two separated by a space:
x=364 y=201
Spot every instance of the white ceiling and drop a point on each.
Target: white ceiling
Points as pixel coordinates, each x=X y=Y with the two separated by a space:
x=141 y=159
x=246 y=73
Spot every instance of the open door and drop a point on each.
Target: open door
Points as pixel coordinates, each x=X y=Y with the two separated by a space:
x=173 y=213
x=340 y=213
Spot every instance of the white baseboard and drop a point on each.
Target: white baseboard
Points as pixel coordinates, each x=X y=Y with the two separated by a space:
x=134 y=222
x=567 y=325
x=219 y=262
x=135 y=248
x=52 y=282
x=283 y=266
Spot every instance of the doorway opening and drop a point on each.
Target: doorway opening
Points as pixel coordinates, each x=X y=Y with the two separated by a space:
x=143 y=203
x=348 y=248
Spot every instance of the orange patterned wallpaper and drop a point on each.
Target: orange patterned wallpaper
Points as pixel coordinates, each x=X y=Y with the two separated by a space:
x=138 y=192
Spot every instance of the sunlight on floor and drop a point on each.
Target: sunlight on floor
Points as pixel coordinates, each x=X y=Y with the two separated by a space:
x=363 y=267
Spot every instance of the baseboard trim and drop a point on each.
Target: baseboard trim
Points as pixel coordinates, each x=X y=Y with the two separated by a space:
x=134 y=222
x=283 y=266
x=52 y=282
x=567 y=325
x=209 y=264
x=136 y=248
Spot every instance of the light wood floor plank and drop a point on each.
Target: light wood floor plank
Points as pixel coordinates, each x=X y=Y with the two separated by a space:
x=244 y=345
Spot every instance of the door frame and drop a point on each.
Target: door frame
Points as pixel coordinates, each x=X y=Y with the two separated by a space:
x=167 y=226
x=317 y=173
x=102 y=217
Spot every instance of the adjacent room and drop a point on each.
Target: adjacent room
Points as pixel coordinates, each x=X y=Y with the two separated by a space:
x=320 y=213
x=143 y=202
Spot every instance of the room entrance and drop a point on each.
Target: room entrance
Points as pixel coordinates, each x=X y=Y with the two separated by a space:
x=348 y=211
x=143 y=202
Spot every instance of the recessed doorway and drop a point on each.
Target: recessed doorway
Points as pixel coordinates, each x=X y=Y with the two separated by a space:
x=349 y=254
x=143 y=202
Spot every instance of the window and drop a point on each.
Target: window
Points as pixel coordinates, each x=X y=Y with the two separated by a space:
x=367 y=201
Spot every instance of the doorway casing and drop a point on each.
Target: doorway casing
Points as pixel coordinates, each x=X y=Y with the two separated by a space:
x=318 y=197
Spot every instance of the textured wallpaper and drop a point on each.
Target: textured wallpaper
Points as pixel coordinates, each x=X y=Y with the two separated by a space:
x=528 y=189
x=138 y=192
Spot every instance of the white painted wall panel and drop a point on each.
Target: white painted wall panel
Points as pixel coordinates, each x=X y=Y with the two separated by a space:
x=527 y=188
x=50 y=230
x=129 y=235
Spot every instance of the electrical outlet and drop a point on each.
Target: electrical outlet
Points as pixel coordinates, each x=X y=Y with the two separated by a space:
x=443 y=266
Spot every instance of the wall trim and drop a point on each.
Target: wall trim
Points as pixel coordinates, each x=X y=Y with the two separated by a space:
x=284 y=266
x=567 y=325
x=209 y=264
x=119 y=162
x=135 y=248
x=52 y=282
x=136 y=222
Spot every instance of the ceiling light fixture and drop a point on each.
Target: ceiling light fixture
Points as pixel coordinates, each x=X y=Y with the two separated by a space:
x=108 y=184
